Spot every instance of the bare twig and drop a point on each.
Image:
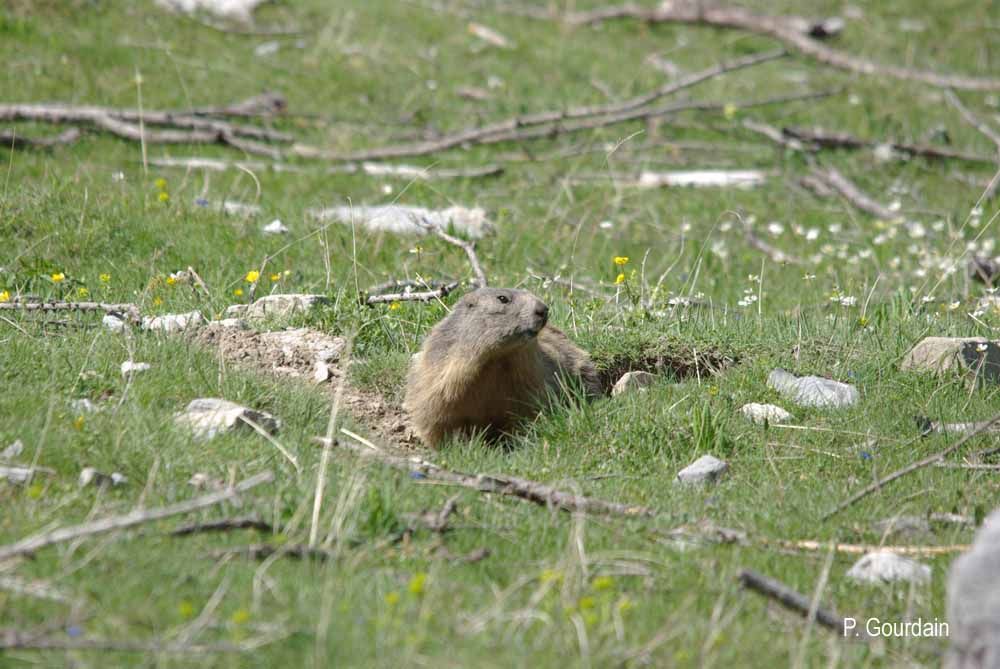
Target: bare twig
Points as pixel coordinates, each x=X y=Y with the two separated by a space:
x=780 y=28
x=34 y=543
x=223 y=525
x=862 y=549
x=817 y=138
x=435 y=521
x=919 y=464
x=130 y=310
x=790 y=599
x=775 y=254
x=467 y=246
x=264 y=551
x=364 y=168
x=984 y=128
x=266 y=104
x=850 y=192
x=10 y=139
x=539 y=493
x=422 y=296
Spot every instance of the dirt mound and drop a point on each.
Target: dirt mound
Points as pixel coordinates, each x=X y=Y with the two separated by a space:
x=677 y=362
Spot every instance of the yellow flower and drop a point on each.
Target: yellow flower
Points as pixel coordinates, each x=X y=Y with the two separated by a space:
x=157 y=301
x=240 y=616
x=549 y=575
x=603 y=583
x=78 y=423
x=58 y=277
x=394 y=305
x=276 y=277
x=863 y=321
x=163 y=196
x=105 y=277
x=82 y=291
x=392 y=598
x=238 y=292
x=621 y=260
x=729 y=111
x=417 y=583
x=586 y=603
x=252 y=276
x=171 y=280
x=620 y=279
x=35 y=491
x=161 y=183
x=185 y=609
x=4 y=295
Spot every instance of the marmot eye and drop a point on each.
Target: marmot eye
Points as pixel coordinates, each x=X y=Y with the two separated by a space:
x=503 y=299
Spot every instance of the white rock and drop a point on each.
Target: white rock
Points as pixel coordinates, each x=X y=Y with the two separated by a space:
x=706 y=469
x=812 y=391
x=90 y=476
x=130 y=367
x=237 y=10
x=759 y=413
x=281 y=305
x=200 y=480
x=885 y=566
x=208 y=417
x=266 y=49
x=632 y=381
x=321 y=373
x=113 y=323
x=17 y=474
x=230 y=323
x=974 y=356
x=743 y=179
x=275 y=227
x=12 y=451
x=974 y=602
x=402 y=220
x=172 y=322
x=83 y=406
x=235 y=310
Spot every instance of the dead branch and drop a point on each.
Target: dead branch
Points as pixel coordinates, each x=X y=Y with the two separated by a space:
x=854 y=195
x=467 y=246
x=775 y=254
x=789 y=32
x=365 y=168
x=919 y=464
x=526 y=127
x=984 y=129
x=435 y=521
x=423 y=296
x=223 y=525
x=34 y=543
x=976 y=427
x=129 y=310
x=862 y=549
x=10 y=139
x=818 y=138
x=968 y=465
x=266 y=104
x=404 y=284
x=473 y=556
x=532 y=491
x=790 y=599
x=264 y=551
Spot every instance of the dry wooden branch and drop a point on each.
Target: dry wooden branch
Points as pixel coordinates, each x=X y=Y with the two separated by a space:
x=266 y=104
x=435 y=521
x=365 y=168
x=526 y=127
x=919 y=464
x=264 y=551
x=422 y=296
x=854 y=195
x=396 y=285
x=223 y=525
x=984 y=128
x=129 y=310
x=790 y=599
x=928 y=426
x=467 y=246
x=539 y=493
x=818 y=138
x=34 y=543
x=775 y=254
x=968 y=465
x=789 y=32
x=10 y=139
x=862 y=549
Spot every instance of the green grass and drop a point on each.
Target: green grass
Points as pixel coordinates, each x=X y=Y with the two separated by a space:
x=555 y=589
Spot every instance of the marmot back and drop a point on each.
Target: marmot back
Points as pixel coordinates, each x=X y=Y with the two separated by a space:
x=489 y=363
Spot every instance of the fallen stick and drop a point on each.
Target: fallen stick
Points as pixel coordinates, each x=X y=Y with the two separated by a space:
x=969 y=465
x=403 y=284
x=817 y=138
x=10 y=139
x=264 y=551
x=131 y=310
x=862 y=549
x=34 y=543
x=521 y=126
x=790 y=599
x=984 y=129
x=699 y=12
x=919 y=464
x=423 y=296
x=532 y=491
x=223 y=525
x=933 y=426
x=468 y=247
x=846 y=188
x=775 y=254
x=363 y=168
x=267 y=103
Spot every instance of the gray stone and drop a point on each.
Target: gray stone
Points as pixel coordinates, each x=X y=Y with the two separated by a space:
x=404 y=219
x=977 y=358
x=974 y=602
x=208 y=417
x=17 y=474
x=812 y=391
x=170 y=323
x=230 y=323
x=632 y=381
x=83 y=406
x=130 y=367
x=12 y=451
x=885 y=566
x=113 y=323
x=283 y=305
x=706 y=469
x=275 y=227
x=760 y=413
x=321 y=373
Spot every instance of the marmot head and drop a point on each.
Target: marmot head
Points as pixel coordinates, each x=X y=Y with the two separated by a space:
x=491 y=321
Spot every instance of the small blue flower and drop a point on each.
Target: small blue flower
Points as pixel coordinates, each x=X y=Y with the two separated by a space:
x=201 y=202
x=417 y=475
x=74 y=630
x=865 y=455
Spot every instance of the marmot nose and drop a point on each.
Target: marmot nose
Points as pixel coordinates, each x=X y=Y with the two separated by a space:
x=542 y=311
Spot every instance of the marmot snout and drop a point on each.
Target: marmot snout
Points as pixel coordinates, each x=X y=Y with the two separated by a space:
x=489 y=363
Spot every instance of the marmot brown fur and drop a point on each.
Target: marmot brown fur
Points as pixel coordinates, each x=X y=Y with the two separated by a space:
x=490 y=363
